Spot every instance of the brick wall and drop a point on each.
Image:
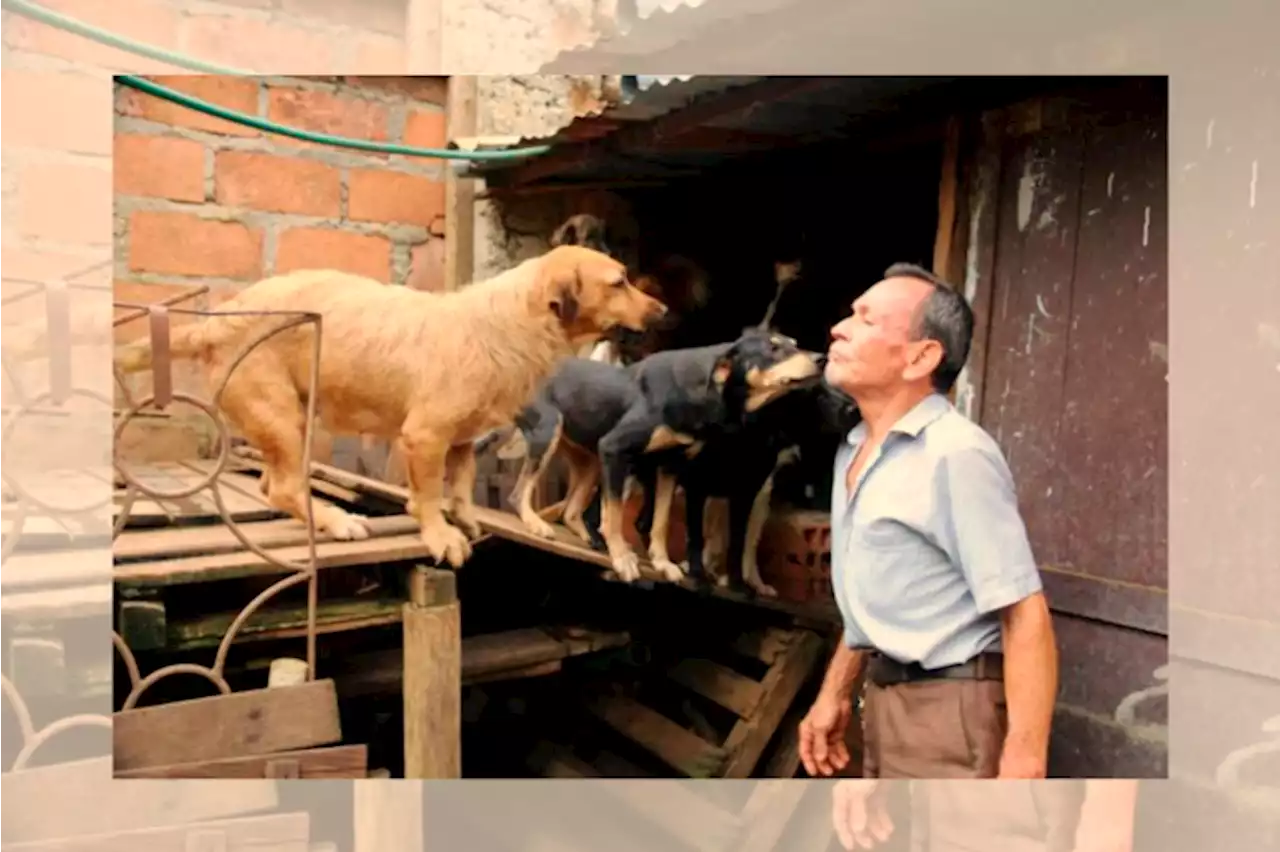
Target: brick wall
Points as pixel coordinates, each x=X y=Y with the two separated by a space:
x=202 y=201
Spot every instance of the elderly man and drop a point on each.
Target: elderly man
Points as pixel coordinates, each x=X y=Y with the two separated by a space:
x=932 y=571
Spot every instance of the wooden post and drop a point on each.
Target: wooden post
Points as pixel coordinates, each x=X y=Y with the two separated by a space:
x=388 y=816
x=432 y=676
x=461 y=118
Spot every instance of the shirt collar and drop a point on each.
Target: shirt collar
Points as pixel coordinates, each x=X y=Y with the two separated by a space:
x=912 y=423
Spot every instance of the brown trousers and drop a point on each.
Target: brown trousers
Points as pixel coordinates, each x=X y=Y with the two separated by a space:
x=954 y=730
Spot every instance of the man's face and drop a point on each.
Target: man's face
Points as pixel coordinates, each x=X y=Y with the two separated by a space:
x=873 y=349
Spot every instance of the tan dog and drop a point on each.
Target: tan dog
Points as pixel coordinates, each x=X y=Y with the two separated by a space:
x=432 y=371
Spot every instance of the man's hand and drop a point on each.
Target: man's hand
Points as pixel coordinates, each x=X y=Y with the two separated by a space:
x=822 y=731
x=1019 y=761
x=859 y=815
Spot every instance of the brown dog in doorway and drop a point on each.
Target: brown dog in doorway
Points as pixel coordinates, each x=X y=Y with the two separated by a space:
x=431 y=371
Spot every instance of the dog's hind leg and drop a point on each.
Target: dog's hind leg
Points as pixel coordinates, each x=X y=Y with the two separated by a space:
x=264 y=405
x=460 y=473
x=584 y=475
x=664 y=490
x=426 y=449
x=542 y=439
x=619 y=451
x=695 y=503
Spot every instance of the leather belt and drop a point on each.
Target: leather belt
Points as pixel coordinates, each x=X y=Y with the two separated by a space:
x=886 y=671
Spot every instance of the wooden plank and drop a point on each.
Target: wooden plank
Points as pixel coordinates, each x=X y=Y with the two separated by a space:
x=284 y=832
x=102 y=807
x=688 y=818
x=73 y=602
x=461 y=115
x=556 y=760
x=254 y=722
x=271 y=623
x=508 y=655
x=768 y=812
x=140 y=544
x=679 y=748
x=432 y=690
x=336 y=762
x=732 y=691
x=947 y=192
x=747 y=741
x=764 y=645
x=388 y=815
x=333 y=554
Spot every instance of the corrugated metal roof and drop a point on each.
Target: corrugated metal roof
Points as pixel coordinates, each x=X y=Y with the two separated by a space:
x=656 y=25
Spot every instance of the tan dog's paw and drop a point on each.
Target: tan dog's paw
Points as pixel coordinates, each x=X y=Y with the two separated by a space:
x=344 y=526
x=722 y=581
x=446 y=543
x=463 y=516
x=762 y=588
x=540 y=527
x=627 y=566
x=669 y=570
x=578 y=528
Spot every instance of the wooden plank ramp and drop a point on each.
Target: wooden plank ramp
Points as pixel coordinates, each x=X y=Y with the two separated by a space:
x=507 y=526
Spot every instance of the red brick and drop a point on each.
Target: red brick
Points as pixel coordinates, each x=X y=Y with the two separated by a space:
x=375 y=195
x=431 y=90
x=237 y=93
x=148 y=21
x=386 y=16
x=185 y=244
x=65 y=203
x=330 y=248
x=276 y=184
x=425 y=128
x=262 y=45
x=427 y=272
x=325 y=112
x=377 y=54
x=159 y=166
x=147 y=293
x=51 y=110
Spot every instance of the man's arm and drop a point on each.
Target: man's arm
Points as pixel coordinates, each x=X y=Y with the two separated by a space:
x=1030 y=685
x=985 y=535
x=842 y=672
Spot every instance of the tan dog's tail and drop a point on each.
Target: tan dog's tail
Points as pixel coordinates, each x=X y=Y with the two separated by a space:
x=187 y=341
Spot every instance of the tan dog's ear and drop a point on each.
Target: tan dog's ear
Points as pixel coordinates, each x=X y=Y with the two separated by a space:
x=564 y=301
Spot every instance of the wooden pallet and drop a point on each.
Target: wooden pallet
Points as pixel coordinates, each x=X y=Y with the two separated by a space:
x=691 y=747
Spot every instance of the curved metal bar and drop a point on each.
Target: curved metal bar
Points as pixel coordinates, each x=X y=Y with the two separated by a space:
x=49 y=732
x=20 y=709
x=224 y=449
x=7 y=433
x=177 y=668
x=265 y=595
x=303 y=571
x=130 y=661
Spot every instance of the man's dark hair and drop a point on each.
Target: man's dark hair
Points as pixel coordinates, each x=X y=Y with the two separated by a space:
x=945 y=317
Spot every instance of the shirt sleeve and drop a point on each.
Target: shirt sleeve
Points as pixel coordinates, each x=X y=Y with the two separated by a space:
x=983 y=532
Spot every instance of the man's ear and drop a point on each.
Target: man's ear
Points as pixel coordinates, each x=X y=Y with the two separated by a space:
x=924 y=361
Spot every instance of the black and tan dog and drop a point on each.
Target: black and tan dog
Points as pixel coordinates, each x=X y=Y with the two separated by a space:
x=608 y=420
x=739 y=466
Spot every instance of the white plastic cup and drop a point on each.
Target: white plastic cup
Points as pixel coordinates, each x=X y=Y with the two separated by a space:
x=287 y=671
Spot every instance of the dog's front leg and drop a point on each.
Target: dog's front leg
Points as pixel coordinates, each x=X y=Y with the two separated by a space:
x=751 y=542
x=739 y=518
x=695 y=502
x=460 y=472
x=664 y=490
x=425 y=453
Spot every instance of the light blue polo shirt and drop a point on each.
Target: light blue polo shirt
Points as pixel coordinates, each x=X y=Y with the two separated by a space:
x=933 y=545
